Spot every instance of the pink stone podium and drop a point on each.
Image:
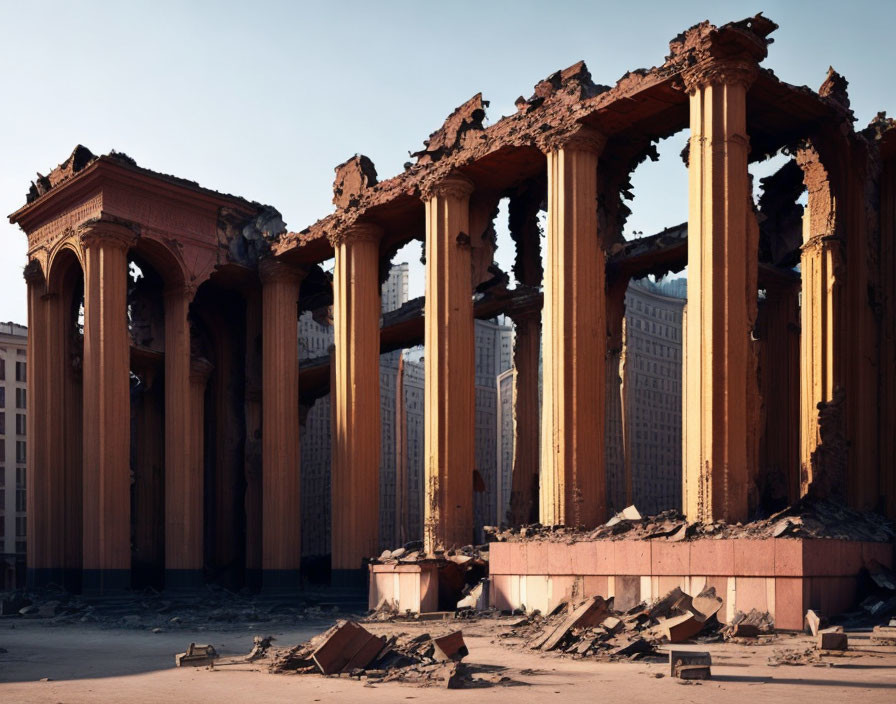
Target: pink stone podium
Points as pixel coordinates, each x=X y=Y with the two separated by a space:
x=783 y=576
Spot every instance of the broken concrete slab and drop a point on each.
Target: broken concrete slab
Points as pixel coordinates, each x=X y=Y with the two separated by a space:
x=884 y=635
x=450 y=647
x=689 y=664
x=832 y=639
x=348 y=646
x=196 y=656
x=590 y=613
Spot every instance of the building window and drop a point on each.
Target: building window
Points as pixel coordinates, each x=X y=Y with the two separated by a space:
x=20 y=526
x=20 y=371
x=2 y=422
x=20 y=451
x=20 y=398
x=2 y=370
x=20 y=424
x=20 y=500
x=2 y=397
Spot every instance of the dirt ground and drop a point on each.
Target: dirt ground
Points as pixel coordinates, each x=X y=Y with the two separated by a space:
x=74 y=663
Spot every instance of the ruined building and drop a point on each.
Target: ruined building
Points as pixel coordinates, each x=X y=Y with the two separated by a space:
x=186 y=375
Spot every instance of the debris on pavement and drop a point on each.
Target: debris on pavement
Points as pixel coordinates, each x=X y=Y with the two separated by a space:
x=196 y=656
x=690 y=664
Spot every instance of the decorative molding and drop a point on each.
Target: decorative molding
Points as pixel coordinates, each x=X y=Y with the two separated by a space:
x=455 y=185
x=356 y=232
x=101 y=232
x=272 y=270
x=580 y=139
x=720 y=72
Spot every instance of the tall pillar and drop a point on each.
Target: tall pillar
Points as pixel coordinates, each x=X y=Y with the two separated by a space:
x=43 y=440
x=823 y=446
x=449 y=364
x=106 y=439
x=574 y=340
x=722 y=291
x=183 y=488
x=281 y=505
x=200 y=370
x=355 y=485
x=524 y=489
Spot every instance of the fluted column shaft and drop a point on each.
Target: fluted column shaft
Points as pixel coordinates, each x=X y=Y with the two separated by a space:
x=573 y=482
x=106 y=434
x=183 y=487
x=449 y=364
x=722 y=291
x=356 y=434
x=281 y=505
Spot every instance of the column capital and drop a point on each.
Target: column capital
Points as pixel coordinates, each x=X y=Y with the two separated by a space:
x=180 y=290
x=33 y=272
x=579 y=139
x=727 y=71
x=454 y=185
x=100 y=232
x=356 y=232
x=273 y=270
x=200 y=369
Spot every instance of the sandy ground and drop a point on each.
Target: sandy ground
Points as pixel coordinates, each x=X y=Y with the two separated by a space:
x=87 y=663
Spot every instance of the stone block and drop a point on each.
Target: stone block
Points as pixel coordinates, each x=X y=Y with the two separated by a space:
x=631 y=557
x=750 y=594
x=538 y=555
x=712 y=557
x=596 y=585
x=788 y=557
x=518 y=557
x=670 y=558
x=499 y=593
x=499 y=558
x=790 y=604
x=754 y=558
x=559 y=559
x=627 y=592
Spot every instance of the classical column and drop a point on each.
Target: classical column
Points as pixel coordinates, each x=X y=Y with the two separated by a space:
x=106 y=438
x=355 y=485
x=722 y=289
x=524 y=488
x=44 y=442
x=281 y=505
x=183 y=489
x=574 y=339
x=449 y=364
x=823 y=446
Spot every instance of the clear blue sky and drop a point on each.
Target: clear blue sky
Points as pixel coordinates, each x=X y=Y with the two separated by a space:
x=263 y=99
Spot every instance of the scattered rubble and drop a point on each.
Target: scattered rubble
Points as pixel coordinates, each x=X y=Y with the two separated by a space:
x=591 y=628
x=807 y=518
x=349 y=650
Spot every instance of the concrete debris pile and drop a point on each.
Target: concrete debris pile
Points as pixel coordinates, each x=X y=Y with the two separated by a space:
x=592 y=628
x=413 y=552
x=748 y=627
x=805 y=519
x=349 y=650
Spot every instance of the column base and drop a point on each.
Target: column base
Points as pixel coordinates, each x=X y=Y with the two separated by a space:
x=40 y=577
x=184 y=580
x=103 y=582
x=349 y=579
x=281 y=581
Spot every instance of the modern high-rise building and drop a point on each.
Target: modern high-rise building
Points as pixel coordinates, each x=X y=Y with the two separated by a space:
x=13 y=405
x=646 y=450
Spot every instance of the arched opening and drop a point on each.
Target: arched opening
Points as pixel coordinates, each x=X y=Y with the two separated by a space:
x=65 y=286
